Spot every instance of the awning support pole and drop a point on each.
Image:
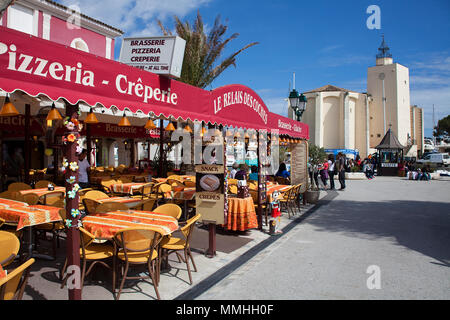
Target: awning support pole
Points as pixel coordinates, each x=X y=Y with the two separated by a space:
x=27 y=149
x=73 y=234
x=259 y=184
x=161 y=148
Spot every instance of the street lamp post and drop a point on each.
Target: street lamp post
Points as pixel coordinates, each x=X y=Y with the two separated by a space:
x=297 y=103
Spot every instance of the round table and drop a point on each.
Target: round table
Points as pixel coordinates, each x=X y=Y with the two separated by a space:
x=241 y=214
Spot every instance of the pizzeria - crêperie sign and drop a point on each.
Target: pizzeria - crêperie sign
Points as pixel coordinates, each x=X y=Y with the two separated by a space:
x=239 y=97
x=75 y=73
x=161 y=55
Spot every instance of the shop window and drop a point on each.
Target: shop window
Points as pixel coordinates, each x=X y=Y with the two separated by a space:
x=21 y=18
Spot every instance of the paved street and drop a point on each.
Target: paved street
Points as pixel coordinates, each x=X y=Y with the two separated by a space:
x=400 y=226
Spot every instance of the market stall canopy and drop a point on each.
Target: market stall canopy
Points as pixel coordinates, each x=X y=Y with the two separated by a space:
x=390 y=141
x=40 y=67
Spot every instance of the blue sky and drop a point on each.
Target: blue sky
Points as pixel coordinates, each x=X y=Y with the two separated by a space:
x=322 y=41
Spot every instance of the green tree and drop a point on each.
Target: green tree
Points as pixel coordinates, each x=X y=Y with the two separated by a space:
x=443 y=127
x=317 y=155
x=200 y=64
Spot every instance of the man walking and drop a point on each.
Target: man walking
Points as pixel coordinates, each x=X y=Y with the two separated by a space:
x=341 y=169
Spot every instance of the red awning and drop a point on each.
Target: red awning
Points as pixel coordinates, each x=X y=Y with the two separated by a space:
x=41 y=67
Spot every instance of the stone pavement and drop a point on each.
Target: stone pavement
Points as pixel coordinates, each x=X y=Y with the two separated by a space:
x=401 y=226
x=44 y=283
x=391 y=227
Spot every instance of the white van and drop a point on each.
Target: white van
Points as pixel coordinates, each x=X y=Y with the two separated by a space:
x=436 y=158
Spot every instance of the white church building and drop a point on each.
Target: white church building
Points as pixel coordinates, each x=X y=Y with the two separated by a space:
x=343 y=119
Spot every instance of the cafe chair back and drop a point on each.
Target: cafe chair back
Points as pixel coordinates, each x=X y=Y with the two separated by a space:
x=13 y=285
x=95 y=195
x=90 y=205
x=42 y=184
x=52 y=197
x=55 y=228
x=170 y=209
x=106 y=185
x=9 y=245
x=189 y=184
x=93 y=253
x=110 y=206
x=173 y=244
x=137 y=247
x=30 y=198
x=18 y=186
x=7 y=194
x=145 y=205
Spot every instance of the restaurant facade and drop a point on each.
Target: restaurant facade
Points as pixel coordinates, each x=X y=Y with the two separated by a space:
x=38 y=75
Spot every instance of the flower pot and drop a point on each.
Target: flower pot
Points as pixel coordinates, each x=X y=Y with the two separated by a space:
x=312 y=196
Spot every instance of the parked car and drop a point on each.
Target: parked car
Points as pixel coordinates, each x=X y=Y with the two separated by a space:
x=428 y=145
x=435 y=158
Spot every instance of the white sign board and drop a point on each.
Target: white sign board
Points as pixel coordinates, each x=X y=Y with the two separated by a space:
x=161 y=55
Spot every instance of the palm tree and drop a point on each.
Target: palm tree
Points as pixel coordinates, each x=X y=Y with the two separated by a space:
x=202 y=51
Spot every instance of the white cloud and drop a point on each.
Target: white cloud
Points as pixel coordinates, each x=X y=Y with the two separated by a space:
x=136 y=17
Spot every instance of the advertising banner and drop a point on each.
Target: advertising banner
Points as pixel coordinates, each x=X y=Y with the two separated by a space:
x=161 y=55
x=210 y=193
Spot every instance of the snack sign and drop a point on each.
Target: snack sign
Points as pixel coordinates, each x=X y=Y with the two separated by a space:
x=210 y=193
x=161 y=55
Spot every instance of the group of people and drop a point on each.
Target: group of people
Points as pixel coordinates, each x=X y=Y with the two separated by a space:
x=240 y=172
x=423 y=173
x=327 y=170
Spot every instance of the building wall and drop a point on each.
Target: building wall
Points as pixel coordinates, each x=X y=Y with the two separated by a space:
x=396 y=84
x=32 y=17
x=360 y=126
x=309 y=116
x=337 y=120
x=329 y=122
x=60 y=32
x=417 y=127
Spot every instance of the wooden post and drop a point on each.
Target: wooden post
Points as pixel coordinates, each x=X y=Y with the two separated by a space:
x=88 y=142
x=27 y=149
x=161 y=148
x=1 y=162
x=73 y=234
x=211 y=252
x=259 y=184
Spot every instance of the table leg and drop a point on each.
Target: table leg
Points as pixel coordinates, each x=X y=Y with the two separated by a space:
x=31 y=245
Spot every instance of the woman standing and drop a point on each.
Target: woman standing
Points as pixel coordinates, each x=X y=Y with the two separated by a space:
x=331 y=170
x=324 y=174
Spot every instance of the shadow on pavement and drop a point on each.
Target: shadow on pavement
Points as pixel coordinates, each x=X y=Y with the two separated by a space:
x=417 y=225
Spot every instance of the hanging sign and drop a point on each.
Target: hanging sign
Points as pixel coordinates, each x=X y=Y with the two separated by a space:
x=210 y=195
x=161 y=55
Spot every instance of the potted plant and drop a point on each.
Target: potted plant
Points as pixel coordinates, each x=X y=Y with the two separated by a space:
x=317 y=157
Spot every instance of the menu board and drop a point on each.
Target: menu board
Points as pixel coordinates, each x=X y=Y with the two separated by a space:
x=210 y=193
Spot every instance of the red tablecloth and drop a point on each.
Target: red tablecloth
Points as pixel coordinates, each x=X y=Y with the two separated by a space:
x=105 y=225
x=130 y=202
x=26 y=216
x=41 y=191
x=127 y=188
x=2 y=272
x=241 y=214
x=5 y=203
